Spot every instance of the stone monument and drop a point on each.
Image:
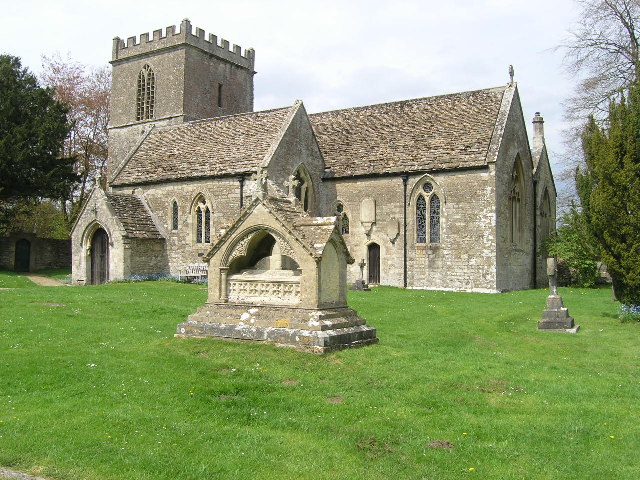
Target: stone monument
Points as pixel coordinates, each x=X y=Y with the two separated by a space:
x=555 y=317
x=278 y=275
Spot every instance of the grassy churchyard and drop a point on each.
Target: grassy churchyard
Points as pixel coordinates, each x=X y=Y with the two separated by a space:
x=95 y=386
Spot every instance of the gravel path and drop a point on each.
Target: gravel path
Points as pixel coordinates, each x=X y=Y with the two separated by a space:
x=45 y=281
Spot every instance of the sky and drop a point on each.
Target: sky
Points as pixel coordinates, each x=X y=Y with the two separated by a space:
x=336 y=54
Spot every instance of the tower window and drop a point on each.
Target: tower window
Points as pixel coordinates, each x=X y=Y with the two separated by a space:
x=220 y=95
x=146 y=94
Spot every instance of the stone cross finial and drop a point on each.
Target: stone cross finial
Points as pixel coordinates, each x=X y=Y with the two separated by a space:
x=261 y=184
x=292 y=183
x=362 y=265
x=552 y=273
x=511 y=73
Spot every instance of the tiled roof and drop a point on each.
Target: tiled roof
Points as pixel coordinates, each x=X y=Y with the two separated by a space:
x=133 y=215
x=434 y=133
x=212 y=147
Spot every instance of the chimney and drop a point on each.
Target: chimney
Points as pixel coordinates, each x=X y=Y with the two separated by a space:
x=538 y=132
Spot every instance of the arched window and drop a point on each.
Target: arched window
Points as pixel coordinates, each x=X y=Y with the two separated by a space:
x=546 y=223
x=301 y=183
x=515 y=203
x=427 y=229
x=146 y=94
x=174 y=215
x=202 y=220
x=343 y=218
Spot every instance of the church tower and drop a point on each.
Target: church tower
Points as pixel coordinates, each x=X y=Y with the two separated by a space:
x=173 y=78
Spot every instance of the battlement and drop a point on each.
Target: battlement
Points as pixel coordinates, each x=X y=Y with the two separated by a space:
x=171 y=38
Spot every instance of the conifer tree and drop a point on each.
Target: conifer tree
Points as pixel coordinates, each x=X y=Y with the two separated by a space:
x=33 y=126
x=609 y=190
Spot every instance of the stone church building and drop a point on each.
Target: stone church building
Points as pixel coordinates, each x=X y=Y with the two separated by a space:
x=443 y=192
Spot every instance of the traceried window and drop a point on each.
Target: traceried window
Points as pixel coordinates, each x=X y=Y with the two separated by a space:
x=202 y=221
x=207 y=225
x=174 y=215
x=427 y=228
x=146 y=94
x=546 y=223
x=515 y=204
x=344 y=219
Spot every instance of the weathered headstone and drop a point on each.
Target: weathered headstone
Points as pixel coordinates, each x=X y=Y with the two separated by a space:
x=555 y=317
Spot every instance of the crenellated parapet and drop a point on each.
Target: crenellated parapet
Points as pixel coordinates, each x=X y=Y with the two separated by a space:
x=171 y=38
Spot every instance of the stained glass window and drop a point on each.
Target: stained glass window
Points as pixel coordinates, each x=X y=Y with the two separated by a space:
x=146 y=94
x=174 y=216
x=207 y=225
x=198 y=225
x=421 y=219
x=434 y=219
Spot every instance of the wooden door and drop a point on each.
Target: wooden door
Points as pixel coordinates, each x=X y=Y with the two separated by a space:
x=374 y=263
x=99 y=257
x=23 y=255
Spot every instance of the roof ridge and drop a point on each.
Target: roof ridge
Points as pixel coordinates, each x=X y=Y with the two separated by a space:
x=409 y=100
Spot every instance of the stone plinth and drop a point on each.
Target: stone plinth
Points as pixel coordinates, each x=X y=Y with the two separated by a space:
x=555 y=316
x=315 y=331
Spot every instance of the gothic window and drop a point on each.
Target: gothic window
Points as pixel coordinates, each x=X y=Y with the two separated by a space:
x=174 y=215
x=146 y=94
x=207 y=225
x=202 y=221
x=302 y=188
x=427 y=219
x=434 y=219
x=344 y=219
x=515 y=204
x=546 y=224
x=198 y=225
x=421 y=220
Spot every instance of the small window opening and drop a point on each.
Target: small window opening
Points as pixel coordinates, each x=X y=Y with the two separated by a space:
x=220 y=95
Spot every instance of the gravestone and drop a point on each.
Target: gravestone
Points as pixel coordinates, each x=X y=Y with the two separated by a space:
x=555 y=317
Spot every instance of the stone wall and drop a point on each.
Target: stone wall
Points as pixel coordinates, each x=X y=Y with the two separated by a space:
x=147 y=257
x=223 y=198
x=515 y=259
x=464 y=259
x=45 y=252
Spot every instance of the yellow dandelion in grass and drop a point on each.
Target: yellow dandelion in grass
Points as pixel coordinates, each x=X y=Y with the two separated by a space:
x=612 y=436
x=471 y=469
x=465 y=433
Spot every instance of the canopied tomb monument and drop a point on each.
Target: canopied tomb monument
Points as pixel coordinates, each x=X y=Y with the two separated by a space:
x=279 y=275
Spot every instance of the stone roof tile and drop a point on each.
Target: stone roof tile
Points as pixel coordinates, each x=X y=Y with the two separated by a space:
x=217 y=146
x=433 y=133
x=133 y=216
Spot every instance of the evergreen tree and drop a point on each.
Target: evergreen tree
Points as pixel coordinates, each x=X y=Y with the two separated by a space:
x=33 y=126
x=609 y=190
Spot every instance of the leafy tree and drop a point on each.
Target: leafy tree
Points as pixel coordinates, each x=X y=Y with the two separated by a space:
x=609 y=190
x=604 y=50
x=576 y=247
x=86 y=93
x=33 y=126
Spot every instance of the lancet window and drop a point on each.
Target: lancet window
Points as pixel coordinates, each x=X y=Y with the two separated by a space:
x=174 y=215
x=343 y=218
x=146 y=94
x=515 y=204
x=427 y=219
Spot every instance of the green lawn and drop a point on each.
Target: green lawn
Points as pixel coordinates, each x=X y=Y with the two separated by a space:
x=94 y=386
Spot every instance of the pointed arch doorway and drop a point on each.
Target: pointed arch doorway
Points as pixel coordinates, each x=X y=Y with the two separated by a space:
x=23 y=255
x=373 y=259
x=99 y=257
